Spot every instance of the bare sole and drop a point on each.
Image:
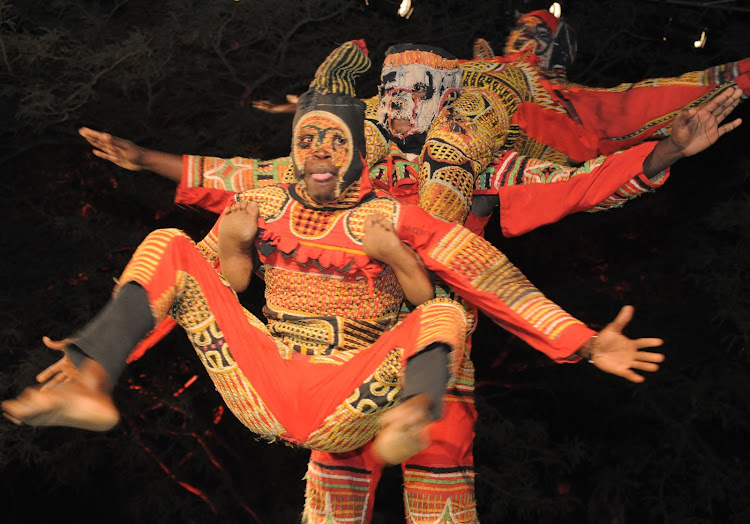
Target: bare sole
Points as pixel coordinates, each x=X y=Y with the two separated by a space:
x=404 y=432
x=71 y=404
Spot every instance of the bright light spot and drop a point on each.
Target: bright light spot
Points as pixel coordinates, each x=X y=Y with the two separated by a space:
x=702 y=42
x=555 y=9
x=405 y=9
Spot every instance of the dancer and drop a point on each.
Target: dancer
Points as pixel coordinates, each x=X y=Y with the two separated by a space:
x=449 y=462
x=328 y=365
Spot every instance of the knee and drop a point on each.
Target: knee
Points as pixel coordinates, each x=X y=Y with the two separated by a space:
x=448 y=313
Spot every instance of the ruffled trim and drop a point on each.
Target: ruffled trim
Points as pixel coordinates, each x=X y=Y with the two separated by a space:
x=303 y=253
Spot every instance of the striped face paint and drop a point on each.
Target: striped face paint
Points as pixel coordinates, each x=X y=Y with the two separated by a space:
x=322 y=130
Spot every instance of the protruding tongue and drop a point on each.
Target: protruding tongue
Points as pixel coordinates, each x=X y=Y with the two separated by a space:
x=322 y=177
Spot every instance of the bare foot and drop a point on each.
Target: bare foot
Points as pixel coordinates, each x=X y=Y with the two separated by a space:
x=240 y=222
x=404 y=433
x=380 y=240
x=74 y=402
x=60 y=371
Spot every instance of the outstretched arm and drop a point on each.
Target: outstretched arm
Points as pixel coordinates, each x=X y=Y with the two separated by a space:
x=652 y=106
x=131 y=156
x=482 y=275
x=694 y=130
x=555 y=191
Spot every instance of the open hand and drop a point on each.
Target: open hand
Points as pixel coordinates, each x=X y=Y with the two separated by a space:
x=614 y=353
x=697 y=128
x=119 y=151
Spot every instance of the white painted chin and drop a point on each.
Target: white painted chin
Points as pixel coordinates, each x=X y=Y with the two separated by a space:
x=321 y=177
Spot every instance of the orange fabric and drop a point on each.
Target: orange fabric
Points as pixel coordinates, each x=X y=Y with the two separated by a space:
x=210 y=199
x=551 y=202
x=300 y=393
x=557 y=130
x=620 y=114
x=483 y=276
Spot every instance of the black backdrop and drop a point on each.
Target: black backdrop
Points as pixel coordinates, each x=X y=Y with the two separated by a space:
x=555 y=444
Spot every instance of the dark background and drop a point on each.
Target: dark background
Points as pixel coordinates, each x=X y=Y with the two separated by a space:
x=555 y=444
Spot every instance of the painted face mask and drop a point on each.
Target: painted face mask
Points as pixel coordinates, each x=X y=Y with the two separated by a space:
x=533 y=32
x=562 y=53
x=416 y=82
x=331 y=123
x=321 y=131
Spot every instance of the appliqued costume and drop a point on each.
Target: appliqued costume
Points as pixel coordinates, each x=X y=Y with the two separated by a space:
x=509 y=105
x=333 y=350
x=531 y=192
x=439 y=482
x=449 y=462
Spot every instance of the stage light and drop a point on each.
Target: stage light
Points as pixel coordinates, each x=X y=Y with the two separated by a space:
x=683 y=33
x=555 y=9
x=698 y=44
x=405 y=9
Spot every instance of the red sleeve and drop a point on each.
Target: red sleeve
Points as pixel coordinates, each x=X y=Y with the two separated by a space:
x=210 y=199
x=600 y=121
x=481 y=274
x=620 y=119
x=525 y=207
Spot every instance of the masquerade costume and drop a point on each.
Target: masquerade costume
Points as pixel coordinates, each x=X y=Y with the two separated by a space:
x=539 y=33
x=513 y=107
x=439 y=481
x=339 y=342
x=334 y=346
x=509 y=105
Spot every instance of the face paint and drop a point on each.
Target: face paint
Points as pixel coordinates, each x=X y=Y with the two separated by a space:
x=412 y=94
x=322 y=150
x=531 y=33
x=318 y=130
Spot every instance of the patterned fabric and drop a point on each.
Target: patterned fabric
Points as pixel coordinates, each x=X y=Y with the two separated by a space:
x=328 y=244
x=438 y=482
x=533 y=193
x=515 y=107
x=340 y=488
x=340 y=68
x=552 y=120
x=594 y=123
x=397 y=175
x=489 y=271
x=255 y=372
x=482 y=50
x=231 y=173
x=518 y=181
x=512 y=88
x=421 y=483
